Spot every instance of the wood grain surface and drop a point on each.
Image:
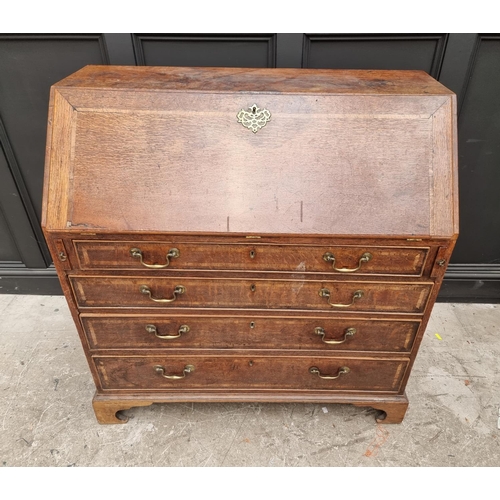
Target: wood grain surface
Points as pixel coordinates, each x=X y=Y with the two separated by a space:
x=108 y=406
x=256 y=372
x=249 y=80
x=123 y=292
x=320 y=166
x=249 y=332
x=305 y=172
x=251 y=256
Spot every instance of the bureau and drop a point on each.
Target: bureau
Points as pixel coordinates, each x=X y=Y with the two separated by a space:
x=250 y=235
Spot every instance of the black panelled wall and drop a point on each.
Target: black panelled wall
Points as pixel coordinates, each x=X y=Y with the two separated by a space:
x=469 y=64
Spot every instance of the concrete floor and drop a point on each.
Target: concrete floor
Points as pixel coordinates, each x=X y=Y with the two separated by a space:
x=46 y=417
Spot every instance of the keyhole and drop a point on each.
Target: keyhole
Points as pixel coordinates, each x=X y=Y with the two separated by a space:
x=250 y=363
x=252 y=287
x=252 y=254
x=252 y=324
x=254 y=109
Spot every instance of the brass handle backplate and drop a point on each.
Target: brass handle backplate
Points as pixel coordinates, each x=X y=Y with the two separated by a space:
x=349 y=332
x=182 y=329
x=358 y=294
x=173 y=253
x=178 y=290
x=161 y=370
x=343 y=370
x=329 y=257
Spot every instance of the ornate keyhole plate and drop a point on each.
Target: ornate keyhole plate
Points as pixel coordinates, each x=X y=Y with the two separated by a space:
x=255 y=118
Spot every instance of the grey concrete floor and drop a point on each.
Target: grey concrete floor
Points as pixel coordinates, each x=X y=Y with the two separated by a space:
x=46 y=417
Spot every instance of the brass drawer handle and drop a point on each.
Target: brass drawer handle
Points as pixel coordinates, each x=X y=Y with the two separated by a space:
x=161 y=370
x=358 y=294
x=343 y=370
x=329 y=257
x=182 y=329
x=349 y=332
x=173 y=253
x=178 y=290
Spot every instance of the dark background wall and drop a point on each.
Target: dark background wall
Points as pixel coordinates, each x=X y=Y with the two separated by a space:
x=468 y=64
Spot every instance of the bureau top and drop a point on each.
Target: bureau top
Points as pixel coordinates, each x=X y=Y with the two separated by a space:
x=266 y=80
x=251 y=151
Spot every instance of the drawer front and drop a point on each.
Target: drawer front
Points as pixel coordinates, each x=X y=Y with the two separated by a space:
x=361 y=260
x=252 y=294
x=247 y=372
x=210 y=332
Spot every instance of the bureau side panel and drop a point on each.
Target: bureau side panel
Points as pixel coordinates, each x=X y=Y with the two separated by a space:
x=444 y=172
x=58 y=176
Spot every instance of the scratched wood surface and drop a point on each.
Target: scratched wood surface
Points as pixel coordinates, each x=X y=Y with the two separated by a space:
x=250 y=293
x=251 y=257
x=328 y=162
x=250 y=332
x=281 y=80
x=299 y=174
x=251 y=372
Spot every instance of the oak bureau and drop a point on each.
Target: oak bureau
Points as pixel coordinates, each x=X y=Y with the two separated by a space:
x=250 y=235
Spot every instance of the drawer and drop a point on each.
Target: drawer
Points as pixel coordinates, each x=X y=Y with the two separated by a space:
x=248 y=332
x=363 y=260
x=248 y=372
x=131 y=292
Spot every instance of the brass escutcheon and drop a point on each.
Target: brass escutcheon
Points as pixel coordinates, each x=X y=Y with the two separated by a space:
x=254 y=119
